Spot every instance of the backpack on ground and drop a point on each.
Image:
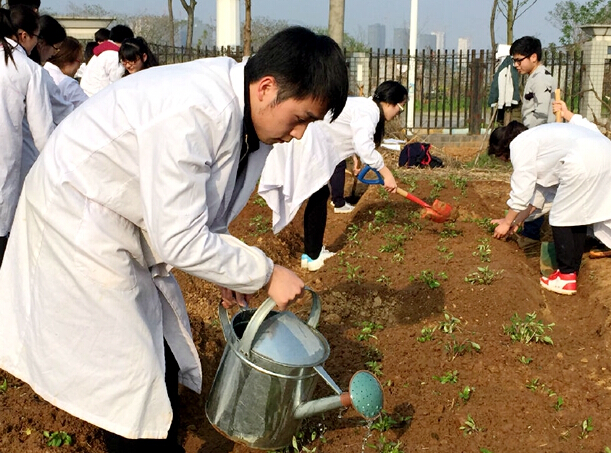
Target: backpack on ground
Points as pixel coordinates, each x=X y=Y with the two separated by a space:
x=418 y=155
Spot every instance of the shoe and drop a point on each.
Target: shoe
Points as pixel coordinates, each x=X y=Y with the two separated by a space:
x=560 y=283
x=313 y=265
x=347 y=208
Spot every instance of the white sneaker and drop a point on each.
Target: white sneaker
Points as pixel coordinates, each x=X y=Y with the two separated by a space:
x=313 y=265
x=347 y=208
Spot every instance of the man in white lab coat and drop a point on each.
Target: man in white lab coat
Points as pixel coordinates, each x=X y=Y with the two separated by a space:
x=144 y=177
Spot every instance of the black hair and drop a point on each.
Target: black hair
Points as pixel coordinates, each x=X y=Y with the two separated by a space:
x=390 y=92
x=6 y=31
x=501 y=137
x=304 y=65
x=19 y=17
x=120 y=33
x=34 y=4
x=526 y=46
x=70 y=51
x=88 y=53
x=103 y=34
x=51 y=33
x=134 y=48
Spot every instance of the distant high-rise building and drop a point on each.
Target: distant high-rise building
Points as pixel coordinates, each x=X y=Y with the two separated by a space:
x=427 y=41
x=464 y=44
x=376 y=38
x=441 y=40
x=400 y=39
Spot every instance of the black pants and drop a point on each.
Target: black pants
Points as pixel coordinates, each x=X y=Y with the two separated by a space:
x=3 y=241
x=118 y=444
x=532 y=229
x=569 y=243
x=315 y=221
x=337 y=181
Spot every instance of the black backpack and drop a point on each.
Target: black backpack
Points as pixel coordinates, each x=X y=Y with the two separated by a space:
x=418 y=155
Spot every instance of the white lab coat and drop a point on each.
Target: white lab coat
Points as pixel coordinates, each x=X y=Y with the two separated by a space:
x=141 y=175
x=24 y=96
x=573 y=159
x=69 y=88
x=101 y=71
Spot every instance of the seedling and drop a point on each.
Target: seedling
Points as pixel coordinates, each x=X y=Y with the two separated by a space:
x=451 y=377
x=469 y=426
x=382 y=193
x=353 y=231
x=528 y=330
x=368 y=328
x=386 y=422
x=386 y=446
x=586 y=428
x=4 y=386
x=427 y=334
x=450 y=324
x=450 y=231
x=459 y=183
x=486 y=224
x=374 y=353
x=353 y=273
x=384 y=216
x=428 y=277
x=260 y=224
x=303 y=438
x=259 y=201
x=394 y=243
x=558 y=404
x=483 y=250
x=375 y=367
x=466 y=393
x=57 y=438
x=525 y=360
x=383 y=279
x=533 y=385
x=437 y=184
x=456 y=348
x=483 y=276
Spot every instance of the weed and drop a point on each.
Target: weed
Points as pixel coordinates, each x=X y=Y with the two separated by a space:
x=427 y=334
x=525 y=360
x=558 y=404
x=450 y=231
x=469 y=426
x=466 y=393
x=528 y=330
x=460 y=183
x=57 y=438
x=260 y=225
x=484 y=276
x=375 y=367
x=483 y=250
x=368 y=328
x=450 y=324
x=451 y=377
x=586 y=428
x=456 y=348
x=437 y=184
x=259 y=201
x=4 y=386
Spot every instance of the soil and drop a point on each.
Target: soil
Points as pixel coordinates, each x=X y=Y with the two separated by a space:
x=525 y=396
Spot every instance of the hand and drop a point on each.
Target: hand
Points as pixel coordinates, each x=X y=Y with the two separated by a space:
x=390 y=184
x=502 y=229
x=355 y=165
x=284 y=287
x=230 y=298
x=560 y=106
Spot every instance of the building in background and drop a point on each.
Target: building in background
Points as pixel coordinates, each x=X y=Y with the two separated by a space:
x=400 y=39
x=427 y=41
x=464 y=44
x=376 y=37
x=441 y=40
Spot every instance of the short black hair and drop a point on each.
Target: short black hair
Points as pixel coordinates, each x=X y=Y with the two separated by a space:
x=526 y=46
x=390 y=92
x=120 y=33
x=501 y=137
x=304 y=65
x=133 y=49
x=103 y=34
x=88 y=52
x=34 y=4
x=51 y=31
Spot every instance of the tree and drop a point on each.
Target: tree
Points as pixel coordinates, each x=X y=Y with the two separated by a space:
x=495 y=7
x=155 y=29
x=88 y=10
x=264 y=28
x=171 y=22
x=568 y=15
x=190 y=9
x=247 y=28
x=512 y=10
x=336 y=20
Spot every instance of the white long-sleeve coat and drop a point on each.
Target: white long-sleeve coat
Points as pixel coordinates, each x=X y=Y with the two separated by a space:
x=69 y=88
x=574 y=161
x=23 y=95
x=141 y=175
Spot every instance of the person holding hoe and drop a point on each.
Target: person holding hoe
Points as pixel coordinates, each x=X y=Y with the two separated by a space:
x=92 y=317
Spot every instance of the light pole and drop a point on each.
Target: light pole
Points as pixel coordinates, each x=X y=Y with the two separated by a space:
x=411 y=74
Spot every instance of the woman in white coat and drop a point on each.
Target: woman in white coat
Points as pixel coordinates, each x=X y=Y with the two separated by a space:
x=24 y=94
x=567 y=166
x=143 y=177
x=63 y=66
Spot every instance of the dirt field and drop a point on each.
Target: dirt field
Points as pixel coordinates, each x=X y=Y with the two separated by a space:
x=453 y=379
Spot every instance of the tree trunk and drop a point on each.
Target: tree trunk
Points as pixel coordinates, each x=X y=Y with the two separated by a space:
x=510 y=20
x=247 y=29
x=336 y=21
x=495 y=6
x=171 y=19
x=190 y=9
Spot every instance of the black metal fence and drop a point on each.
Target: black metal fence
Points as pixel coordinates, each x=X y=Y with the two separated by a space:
x=451 y=88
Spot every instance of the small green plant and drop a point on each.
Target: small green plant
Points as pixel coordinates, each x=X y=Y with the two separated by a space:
x=374 y=354
x=528 y=330
x=386 y=446
x=533 y=384
x=457 y=348
x=394 y=243
x=450 y=323
x=260 y=224
x=382 y=193
x=437 y=184
x=558 y=404
x=451 y=377
x=483 y=276
x=353 y=273
x=486 y=224
x=384 y=279
x=384 y=216
x=483 y=250
x=469 y=427
x=460 y=183
x=428 y=277
x=466 y=393
x=427 y=334
x=4 y=386
x=386 y=422
x=259 y=201
x=484 y=450
x=450 y=231
x=525 y=360
x=586 y=428
x=305 y=437
x=375 y=367
x=353 y=231
x=57 y=438
x=368 y=329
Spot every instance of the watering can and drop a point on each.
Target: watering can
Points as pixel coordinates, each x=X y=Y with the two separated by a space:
x=269 y=370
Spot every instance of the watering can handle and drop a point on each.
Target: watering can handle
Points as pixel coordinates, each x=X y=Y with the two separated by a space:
x=255 y=322
x=366 y=169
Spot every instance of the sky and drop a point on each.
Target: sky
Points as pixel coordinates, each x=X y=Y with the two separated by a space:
x=457 y=18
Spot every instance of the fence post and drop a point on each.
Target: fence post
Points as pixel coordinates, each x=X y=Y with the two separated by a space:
x=475 y=106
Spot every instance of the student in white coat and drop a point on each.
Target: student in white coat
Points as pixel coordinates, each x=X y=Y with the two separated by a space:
x=63 y=66
x=116 y=201
x=24 y=94
x=564 y=168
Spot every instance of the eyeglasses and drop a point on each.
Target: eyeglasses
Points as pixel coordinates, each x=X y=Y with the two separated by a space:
x=401 y=107
x=56 y=48
x=518 y=60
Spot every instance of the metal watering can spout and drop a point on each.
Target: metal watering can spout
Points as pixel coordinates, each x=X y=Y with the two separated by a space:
x=364 y=394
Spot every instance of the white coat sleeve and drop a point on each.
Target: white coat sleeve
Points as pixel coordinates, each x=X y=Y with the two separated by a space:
x=38 y=109
x=523 y=152
x=113 y=67
x=579 y=120
x=73 y=92
x=179 y=155
x=363 y=127
x=61 y=108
